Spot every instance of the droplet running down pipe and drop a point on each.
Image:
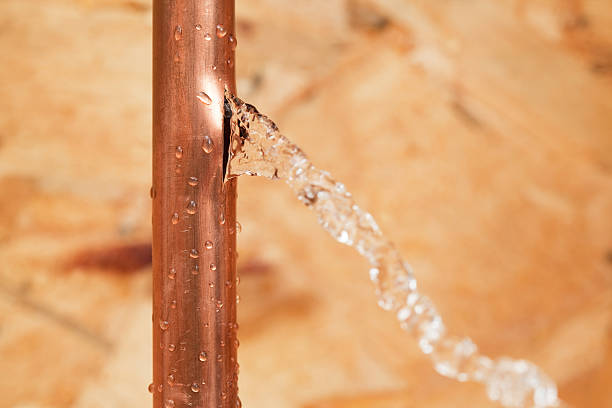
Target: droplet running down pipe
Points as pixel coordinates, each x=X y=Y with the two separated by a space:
x=194 y=211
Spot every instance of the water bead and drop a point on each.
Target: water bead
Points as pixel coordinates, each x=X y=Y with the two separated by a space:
x=192 y=207
x=178 y=33
x=221 y=32
x=207 y=144
x=204 y=98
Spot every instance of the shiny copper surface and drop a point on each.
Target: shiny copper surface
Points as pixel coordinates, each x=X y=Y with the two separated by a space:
x=194 y=264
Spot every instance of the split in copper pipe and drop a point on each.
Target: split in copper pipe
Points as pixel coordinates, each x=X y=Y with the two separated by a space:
x=194 y=211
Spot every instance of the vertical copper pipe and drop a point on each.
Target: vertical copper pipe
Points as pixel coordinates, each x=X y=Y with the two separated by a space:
x=194 y=212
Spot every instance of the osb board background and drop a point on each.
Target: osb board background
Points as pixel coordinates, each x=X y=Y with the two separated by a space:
x=478 y=133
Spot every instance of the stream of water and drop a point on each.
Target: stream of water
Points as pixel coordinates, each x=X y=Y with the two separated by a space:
x=257 y=148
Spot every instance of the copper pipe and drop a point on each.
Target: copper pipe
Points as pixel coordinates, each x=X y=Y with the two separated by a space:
x=194 y=211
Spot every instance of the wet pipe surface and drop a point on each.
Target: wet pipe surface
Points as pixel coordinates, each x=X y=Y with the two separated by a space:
x=490 y=170
x=194 y=209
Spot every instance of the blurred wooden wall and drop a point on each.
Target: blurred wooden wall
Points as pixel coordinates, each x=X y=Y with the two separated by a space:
x=478 y=133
